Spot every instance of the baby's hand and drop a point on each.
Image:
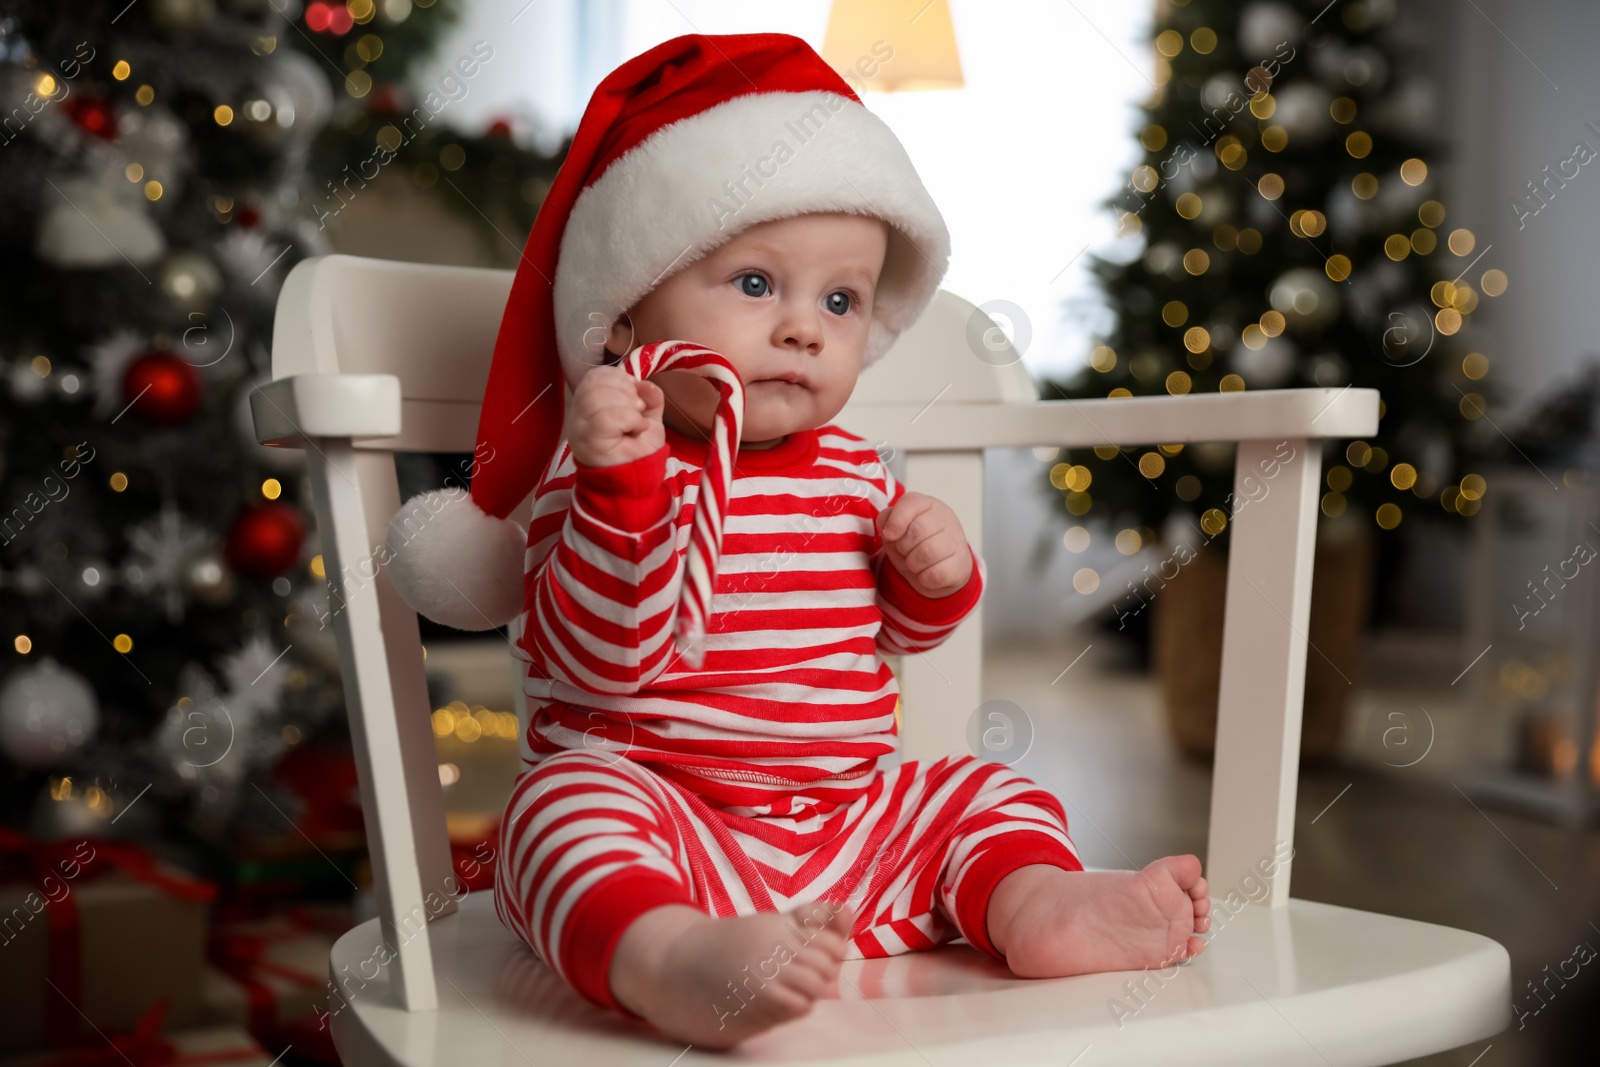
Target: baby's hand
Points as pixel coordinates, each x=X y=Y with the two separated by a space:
x=924 y=540
x=615 y=418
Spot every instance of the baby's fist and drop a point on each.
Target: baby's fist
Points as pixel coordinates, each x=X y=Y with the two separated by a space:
x=924 y=541
x=615 y=418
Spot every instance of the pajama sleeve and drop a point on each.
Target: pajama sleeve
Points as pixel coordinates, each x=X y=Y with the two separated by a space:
x=913 y=622
x=603 y=573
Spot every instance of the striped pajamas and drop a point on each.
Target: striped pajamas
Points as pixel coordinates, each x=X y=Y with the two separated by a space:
x=758 y=780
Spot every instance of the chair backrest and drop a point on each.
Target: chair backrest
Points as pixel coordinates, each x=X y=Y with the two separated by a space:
x=950 y=388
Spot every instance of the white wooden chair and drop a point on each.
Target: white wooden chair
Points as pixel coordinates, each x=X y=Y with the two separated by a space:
x=371 y=357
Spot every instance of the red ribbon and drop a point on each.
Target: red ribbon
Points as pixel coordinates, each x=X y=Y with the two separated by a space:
x=243 y=957
x=145 y=1047
x=36 y=861
x=473 y=873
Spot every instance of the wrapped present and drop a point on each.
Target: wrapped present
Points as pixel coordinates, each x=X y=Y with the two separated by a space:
x=321 y=779
x=147 y=1046
x=95 y=931
x=317 y=851
x=264 y=972
x=472 y=850
x=266 y=870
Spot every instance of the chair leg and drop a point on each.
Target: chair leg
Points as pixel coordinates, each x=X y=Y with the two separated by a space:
x=1262 y=689
x=408 y=683
x=374 y=727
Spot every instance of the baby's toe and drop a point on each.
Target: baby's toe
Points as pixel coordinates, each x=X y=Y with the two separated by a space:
x=801 y=978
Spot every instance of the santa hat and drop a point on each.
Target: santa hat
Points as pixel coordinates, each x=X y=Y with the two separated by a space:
x=680 y=148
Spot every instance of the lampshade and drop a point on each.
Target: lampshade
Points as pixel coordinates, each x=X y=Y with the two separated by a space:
x=916 y=36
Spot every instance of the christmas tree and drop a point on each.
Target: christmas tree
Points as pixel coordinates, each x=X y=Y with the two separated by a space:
x=1285 y=228
x=165 y=164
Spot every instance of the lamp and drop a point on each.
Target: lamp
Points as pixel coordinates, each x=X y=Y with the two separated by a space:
x=893 y=45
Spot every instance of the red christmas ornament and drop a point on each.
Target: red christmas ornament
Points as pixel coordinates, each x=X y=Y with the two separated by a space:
x=499 y=128
x=247 y=216
x=162 y=388
x=264 y=540
x=329 y=18
x=92 y=114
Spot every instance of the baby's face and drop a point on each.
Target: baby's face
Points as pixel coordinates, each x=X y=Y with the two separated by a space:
x=786 y=298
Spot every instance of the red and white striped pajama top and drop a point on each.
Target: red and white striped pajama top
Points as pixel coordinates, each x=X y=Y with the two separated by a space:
x=752 y=782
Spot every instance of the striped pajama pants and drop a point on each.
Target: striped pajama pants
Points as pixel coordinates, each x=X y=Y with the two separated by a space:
x=591 y=841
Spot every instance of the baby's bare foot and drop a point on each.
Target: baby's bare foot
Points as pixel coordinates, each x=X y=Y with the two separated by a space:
x=715 y=982
x=1050 y=923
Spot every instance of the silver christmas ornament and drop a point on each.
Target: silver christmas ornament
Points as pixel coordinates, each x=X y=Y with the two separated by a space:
x=1266 y=27
x=47 y=714
x=1305 y=296
x=1302 y=110
x=1267 y=367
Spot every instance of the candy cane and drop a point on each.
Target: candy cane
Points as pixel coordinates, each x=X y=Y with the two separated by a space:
x=716 y=479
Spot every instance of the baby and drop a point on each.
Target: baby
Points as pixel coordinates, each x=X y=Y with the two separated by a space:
x=701 y=846
x=788 y=303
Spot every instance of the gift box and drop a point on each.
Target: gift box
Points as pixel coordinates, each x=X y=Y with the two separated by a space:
x=266 y=971
x=147 y=1046
x=94 y=933
x=317 y=851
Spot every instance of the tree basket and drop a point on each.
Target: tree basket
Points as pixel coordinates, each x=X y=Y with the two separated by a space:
x=1187 y=641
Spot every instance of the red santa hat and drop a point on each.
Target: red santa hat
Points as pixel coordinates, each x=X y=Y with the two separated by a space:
x=680 y=148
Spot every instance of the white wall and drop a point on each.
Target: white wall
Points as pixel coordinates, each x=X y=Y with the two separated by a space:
x=1522 y=83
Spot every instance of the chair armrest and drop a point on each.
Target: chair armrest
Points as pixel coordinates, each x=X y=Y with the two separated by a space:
x=293 y=410
x=1263 y=414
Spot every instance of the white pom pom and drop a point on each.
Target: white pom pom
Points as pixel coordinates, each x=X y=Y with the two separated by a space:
x=455 y=563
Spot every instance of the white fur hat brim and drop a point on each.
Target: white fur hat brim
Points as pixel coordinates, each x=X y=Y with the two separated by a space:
x=690 y=186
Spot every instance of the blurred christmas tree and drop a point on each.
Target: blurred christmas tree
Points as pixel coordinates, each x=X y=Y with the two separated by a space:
x=1285 y=229
x=164 y=165
x=389 y=125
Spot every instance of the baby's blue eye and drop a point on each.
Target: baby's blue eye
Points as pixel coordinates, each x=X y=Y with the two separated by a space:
x=744 y=287
x=834 y=307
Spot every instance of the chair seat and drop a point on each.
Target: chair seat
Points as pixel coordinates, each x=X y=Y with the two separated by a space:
x=1307 y=983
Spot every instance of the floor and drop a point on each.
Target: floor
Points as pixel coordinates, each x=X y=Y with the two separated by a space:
x=1370 y=832
x=1403 y=840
